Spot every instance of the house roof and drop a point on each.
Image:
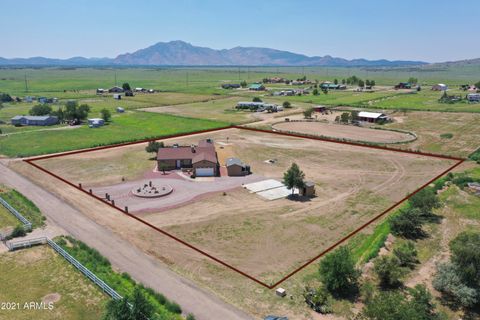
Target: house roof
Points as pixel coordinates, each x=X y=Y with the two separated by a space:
x=256 y=85
x=205 y=156
x=309 y=184
x=372 y=115
x=204 y=151
x=38 y=118
x=233 y=162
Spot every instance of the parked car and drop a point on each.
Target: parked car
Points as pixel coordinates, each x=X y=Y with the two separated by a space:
x=275 y=318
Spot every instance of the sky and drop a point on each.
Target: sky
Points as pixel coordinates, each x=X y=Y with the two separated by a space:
x=427 y=30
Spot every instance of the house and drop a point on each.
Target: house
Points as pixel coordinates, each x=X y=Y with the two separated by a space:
x=327 y=85
x=372 y=116
x=120 y=110
x=230 y=86
x=439 y=87
x=101 y=91
x=115 y=89
x=117 y=96
x=236 y=168
x=202 y=159
x=34 y=120
x=404 y=85
x=95 y=122
x=308 y=189
x=256 y=87
x=473 y=97
x=258 y=106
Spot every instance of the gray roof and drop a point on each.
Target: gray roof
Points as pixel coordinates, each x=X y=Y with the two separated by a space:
x=309 y=184
x=32 y=117
x=234 y=161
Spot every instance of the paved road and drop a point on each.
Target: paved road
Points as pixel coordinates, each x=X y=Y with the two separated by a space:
x=122 y=254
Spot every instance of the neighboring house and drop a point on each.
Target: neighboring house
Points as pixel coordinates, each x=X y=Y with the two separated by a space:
x=258 y=106
x=230 y=86
x=404 y=85
x=34 y=120
x=115 y=89
x=202 y=158
x=372 y=116
x=473 y=97
x=28 y=99
x=329 y=85
x=236 y=168
x=440 y=87
x=95 y=122
x=256 y=87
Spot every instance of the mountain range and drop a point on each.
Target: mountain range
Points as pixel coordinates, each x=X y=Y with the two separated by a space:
x=180 y=53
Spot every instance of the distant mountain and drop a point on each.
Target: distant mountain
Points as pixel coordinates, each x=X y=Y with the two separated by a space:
x=467 y=62
x=180 y=53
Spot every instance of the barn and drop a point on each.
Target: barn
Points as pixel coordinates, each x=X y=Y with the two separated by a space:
x=372 y=117
x=236 y=168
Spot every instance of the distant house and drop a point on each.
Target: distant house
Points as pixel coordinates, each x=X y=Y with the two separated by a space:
x=117 y=96
x=440 y=87
x=329 y=85
x=202 y=159
x=44 y=100
x=115 y=89
x=34 y=120
x=473 y=97
x=256 y=87
x=95 y=122
x=101 y=91
x=236 y=168
x=404 y=85
x=372 y=116
x=230 y=86
x=28 y=99
x=120 y=110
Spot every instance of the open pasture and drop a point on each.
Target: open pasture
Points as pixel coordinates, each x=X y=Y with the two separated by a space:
x=267 y=239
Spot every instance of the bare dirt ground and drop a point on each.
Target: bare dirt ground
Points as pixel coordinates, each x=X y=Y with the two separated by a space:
x=269 y=238
x=344 y=132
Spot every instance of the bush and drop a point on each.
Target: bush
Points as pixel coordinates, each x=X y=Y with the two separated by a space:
x=318 y=300
x=256 y=99
x=446 y=135
x=406 y=254
x=449 y=282
x=338 y=273
x=426 y=200
x=388 y=271
x=18 y=231
x=287 y=104
x=407 y=223
x=466 y=256
x=40 y=110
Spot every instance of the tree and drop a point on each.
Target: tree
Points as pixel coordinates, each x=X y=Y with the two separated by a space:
x=308 y=113
x=477 y=85
x=287 y=104
x=448 y=280
x=256 y=99
x=294 y=178
x=40 y=110
x=141 y=307
x=412 y=80
x=407 y=223
x=74 y=111
x=343 y=81
x=126 y=87
x=426 y=200
x=5 y=97
x=118 y=310
x=388 y=271
x=406 y=254
x=367 y=83
x=354 y=115
x=372 y=83
x=106 y=115
x=361 y=83
x=466 y=256
x=335 y=81
x=243 y=84
x=60 y=114
x=153 y=146
x=315 y=92
x=345 y=117
x=338 y=273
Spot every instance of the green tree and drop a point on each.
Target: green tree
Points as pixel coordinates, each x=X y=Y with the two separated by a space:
x=315 y=92
x=256 y=99
x=426 y=200
x=406 y=254
x=407 y=223
x=118 y=310
x=153 y=146
x=388 y=271
x=361 y=83
x=142 y=309
x=345 y=117
x=5 y=97
x=338 y=273
x=294 y=178
x=243 y=84
x=343 y=81
x=106 y=115
x=308 y=113
x=74 y=111
x=412 y=80
x=367 y=83
x=40 y=110
x=477 y=85
x=335 y=81
x=126 y=87
x=372 y=83
x=60 y=114
x=465 y=250
x=287 y=104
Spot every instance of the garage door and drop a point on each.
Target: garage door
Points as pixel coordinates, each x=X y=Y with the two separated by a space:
x=204 y=172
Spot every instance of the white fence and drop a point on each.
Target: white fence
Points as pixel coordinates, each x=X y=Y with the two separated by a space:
x=14 y=245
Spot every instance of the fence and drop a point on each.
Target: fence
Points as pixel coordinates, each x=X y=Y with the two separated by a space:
x=27 y=224
x=37 y=241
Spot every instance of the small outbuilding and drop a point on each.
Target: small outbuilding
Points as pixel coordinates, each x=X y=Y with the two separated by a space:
x=440 y=87
x=95 y=122
x=308 y=190
x=120 y=110
x=256 y=87
x=372 y=117
x=236 y=168
x=117 y=96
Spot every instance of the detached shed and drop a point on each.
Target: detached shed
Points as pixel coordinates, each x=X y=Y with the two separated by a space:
x=372 y=116
x=308 y=190
x=236 y=168
x=95 y=122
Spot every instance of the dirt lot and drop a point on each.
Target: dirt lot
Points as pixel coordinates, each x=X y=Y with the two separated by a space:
x=269 y=238
x=344 y=132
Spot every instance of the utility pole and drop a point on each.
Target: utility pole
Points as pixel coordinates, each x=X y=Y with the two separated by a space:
x=26 y=83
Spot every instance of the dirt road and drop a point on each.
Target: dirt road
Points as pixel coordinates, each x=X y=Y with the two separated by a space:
x=122 y=254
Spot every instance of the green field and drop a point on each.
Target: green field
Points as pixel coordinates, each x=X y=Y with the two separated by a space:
x=7 y=219
x=125 y=127
x=24 y=206
x=39 y=274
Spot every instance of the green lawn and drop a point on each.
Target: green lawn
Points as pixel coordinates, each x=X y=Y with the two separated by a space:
x=465 y=204
x=39 y=274
x=24 y=206
x=7 y=219
x=130 y=126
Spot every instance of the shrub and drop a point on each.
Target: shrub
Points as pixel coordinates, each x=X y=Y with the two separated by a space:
x=388 y=271
x=18 y=231
x=446 y=135
x=407 y=223
x=406 y=254
x=466 y=256
x=256 y=99
x=287 y=104
x=318 y=300
x=449 y=282
x=426 y=200
x=338 y=272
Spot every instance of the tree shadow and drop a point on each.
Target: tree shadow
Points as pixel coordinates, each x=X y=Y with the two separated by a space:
x=299 y=198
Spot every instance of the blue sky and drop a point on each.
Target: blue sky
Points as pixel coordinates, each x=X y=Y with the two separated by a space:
x=431 y=31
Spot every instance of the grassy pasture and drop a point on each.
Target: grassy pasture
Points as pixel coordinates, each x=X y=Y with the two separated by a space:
x=49 y=278
x=7 y=219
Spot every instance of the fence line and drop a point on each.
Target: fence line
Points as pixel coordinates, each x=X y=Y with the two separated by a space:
x=44 y=240
x=17 y=214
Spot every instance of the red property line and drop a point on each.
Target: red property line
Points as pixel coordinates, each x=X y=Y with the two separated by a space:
x=32 y=160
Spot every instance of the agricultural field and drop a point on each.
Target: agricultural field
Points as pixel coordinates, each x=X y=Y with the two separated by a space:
x=50 y=279
x=353 y=184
